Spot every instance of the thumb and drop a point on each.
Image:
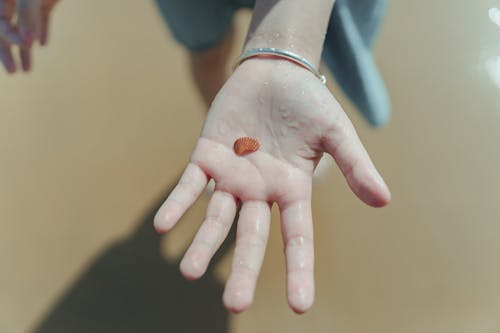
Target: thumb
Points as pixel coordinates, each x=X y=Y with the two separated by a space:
x=342 y=142
x=28 y=20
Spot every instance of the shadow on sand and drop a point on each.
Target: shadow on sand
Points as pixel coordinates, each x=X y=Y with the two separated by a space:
x=130 y=287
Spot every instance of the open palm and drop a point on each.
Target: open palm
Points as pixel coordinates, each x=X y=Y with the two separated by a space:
x=295 y=119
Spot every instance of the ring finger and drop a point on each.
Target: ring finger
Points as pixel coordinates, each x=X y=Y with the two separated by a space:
x=214 y=229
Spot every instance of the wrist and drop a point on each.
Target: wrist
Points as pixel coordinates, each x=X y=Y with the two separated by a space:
x=269 y=73
x=300 y=45
x=293 y=25
x=274 y=53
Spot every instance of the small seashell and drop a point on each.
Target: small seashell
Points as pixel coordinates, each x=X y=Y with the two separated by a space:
x=245 y=145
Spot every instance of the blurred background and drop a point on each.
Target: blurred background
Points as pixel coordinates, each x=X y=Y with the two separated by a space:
x=92 y=140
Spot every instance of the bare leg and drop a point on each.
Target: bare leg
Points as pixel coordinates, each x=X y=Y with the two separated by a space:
x=209 y=68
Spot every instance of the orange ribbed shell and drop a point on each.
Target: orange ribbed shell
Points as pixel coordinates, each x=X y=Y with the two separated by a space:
x=245 y=145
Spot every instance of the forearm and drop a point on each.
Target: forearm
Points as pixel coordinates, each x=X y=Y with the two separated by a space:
x=298 y=26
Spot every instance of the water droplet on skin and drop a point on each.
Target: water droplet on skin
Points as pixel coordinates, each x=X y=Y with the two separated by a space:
x=301 y=264
x=285 y=113
x=299 y=241
x=237 y=293
x=260 y=100
x=301 y=293
x=243 y=263
x=223 y=128
x=283 y=130
x=494 y=14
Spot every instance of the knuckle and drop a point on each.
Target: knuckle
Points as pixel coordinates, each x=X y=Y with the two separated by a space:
x=299 y=240
x=187 y=188
x=252 y=241
x=215 y=223
x=244 y=267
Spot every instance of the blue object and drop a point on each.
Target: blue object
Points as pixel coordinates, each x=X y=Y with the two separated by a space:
x=201 y=24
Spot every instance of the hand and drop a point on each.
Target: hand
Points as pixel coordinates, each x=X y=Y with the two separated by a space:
x=295 y=118
x=32 y=24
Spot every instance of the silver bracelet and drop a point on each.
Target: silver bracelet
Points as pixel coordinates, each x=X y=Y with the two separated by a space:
x=271 y=51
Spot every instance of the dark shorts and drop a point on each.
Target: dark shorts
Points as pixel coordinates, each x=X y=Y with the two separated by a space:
x=201 y=24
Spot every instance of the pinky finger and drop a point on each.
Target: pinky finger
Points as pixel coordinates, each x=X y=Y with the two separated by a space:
x=185 y=193
x=7 y=59
x=44 y=29
x=46 y=10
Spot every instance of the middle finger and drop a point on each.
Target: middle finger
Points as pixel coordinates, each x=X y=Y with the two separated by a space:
x=251 y=240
